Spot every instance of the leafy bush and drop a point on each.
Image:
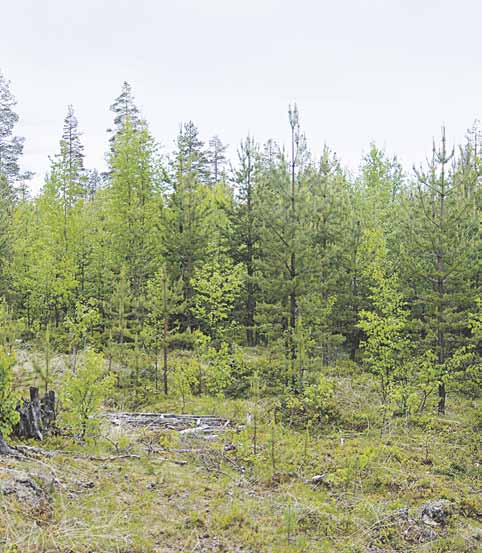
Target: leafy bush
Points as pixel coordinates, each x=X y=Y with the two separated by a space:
x=185 y=374
x=315 y=405
x=83 y=394
x=8 y=399
x=215 y=365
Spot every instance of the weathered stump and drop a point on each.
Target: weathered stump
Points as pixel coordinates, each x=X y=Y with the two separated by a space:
x=47 y=405
x=37 y=416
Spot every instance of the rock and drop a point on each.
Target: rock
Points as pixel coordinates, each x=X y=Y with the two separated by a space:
x=320 y=480
x=401 y=514
x=418 y=533
x=436 y=513
x=25 y=489
x=87 y=485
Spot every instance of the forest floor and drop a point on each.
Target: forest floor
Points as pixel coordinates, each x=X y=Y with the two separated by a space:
x=347 y=486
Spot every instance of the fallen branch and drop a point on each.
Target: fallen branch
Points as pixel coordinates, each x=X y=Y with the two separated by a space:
x=105 y=459
x=29 y=450
x=175 y=461
x=5 y=449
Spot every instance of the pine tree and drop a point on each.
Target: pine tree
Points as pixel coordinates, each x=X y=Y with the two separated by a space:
x=11 y=147
x=282 y=267
x=244 y=235
x=441 y=256
x=327 y=215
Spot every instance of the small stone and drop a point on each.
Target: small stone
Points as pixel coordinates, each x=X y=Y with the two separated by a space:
x=320 y=479
x=436 y=513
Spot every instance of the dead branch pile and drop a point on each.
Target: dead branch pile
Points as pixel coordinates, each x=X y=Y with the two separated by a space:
x=199 y=425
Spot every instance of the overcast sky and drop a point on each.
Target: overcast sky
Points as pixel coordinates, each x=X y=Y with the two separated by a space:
x=389 y=71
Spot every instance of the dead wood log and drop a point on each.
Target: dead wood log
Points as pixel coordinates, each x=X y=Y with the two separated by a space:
x=5 y=449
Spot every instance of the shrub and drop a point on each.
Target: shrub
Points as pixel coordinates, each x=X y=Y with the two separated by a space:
x=315 y=405
x=8 y=399
x=84 y=393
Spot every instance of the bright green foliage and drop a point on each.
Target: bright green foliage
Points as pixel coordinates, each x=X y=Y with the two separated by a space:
x=6 y=208
x=185 y=376
x=83 y=393
x=287 y=253
x=134 y=197
x=9 y=415
x=217 y=287
x=215 y=365
x=10 y=326
x=86 y=317
x=387 y=344
x=464 y=370
x=187 y=233
x=121 y=308
x=42 y=363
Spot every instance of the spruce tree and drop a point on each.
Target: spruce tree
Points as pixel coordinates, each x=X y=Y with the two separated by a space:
x=67 y=180
x=74 y=154
x=185 y=221
x=124 y=109
x=217 y=159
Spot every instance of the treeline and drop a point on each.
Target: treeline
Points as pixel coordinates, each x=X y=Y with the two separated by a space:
x=282 y=250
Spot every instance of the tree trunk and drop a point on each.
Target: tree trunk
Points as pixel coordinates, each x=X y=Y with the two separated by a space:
x=442 y=393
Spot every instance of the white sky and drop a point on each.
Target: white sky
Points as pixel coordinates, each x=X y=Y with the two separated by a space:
x=389 y=71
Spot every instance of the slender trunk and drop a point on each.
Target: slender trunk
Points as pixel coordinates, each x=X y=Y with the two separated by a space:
x=164 y=346
x=441 y=289
x=292 y=298
x=251 y=301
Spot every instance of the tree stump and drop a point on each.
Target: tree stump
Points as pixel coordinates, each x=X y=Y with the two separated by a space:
x=37 y=416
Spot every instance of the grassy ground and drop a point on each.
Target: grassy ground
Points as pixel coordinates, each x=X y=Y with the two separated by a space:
x=149 y=491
